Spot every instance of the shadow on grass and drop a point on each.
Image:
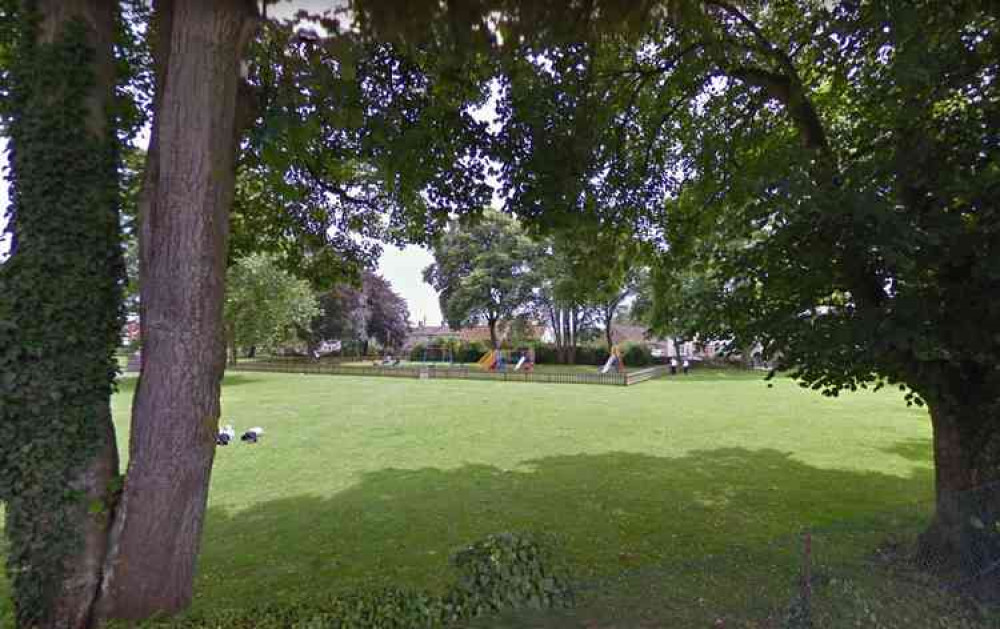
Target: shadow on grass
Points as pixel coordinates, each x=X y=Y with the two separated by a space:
x=916 y=450
x=638 y=529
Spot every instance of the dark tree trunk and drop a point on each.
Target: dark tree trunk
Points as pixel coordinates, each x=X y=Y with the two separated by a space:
x=576 y=320
x=492 y=323
x=74 y=604
x=967 y=503
x=608 y=336
x=560 y=336
x=964 y=531
x=95 y=260
x=556 y=331
x=567 y=358
x=185 y=207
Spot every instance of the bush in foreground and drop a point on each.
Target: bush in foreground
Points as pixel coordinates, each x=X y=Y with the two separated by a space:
x=502 y=572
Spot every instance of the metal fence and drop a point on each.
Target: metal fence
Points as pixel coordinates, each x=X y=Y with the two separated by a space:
x=452 y=372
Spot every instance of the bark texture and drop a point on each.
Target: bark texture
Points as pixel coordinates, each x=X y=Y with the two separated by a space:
x=967 y=510
x=187 y=195
x=74 y=602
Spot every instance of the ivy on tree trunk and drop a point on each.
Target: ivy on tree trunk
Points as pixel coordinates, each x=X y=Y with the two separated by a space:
x=58 y=456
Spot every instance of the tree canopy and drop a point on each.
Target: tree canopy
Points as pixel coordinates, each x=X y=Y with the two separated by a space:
x=265 y=305
x=830 y=173
x=483 y=271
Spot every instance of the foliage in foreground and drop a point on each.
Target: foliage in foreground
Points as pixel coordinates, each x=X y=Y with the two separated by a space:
x=502 y=572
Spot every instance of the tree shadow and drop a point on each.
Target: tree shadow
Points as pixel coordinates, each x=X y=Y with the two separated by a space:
x=916 y=450
x=608 y=514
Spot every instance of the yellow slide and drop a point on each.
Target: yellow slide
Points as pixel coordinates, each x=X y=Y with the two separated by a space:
x=486 y=362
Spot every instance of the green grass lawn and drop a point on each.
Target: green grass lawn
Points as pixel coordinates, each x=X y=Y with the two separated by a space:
x=666 y=498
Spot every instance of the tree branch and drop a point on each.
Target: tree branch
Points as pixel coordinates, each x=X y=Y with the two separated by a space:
x=790 y=93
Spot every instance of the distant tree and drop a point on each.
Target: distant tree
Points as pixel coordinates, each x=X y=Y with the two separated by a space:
x=387 y=315
x=682 y=304
x=357 y=314
x=337 y=317
x=484 y=271
x=585 y=279
x=560 y=300
x=265 y=305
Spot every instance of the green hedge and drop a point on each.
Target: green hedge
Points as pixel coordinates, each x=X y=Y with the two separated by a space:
x=503 y=572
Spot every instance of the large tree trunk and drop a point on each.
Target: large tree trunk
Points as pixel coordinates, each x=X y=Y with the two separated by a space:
x=54 y=586
x=185 y=207
x=74 y=600
x=965 y=532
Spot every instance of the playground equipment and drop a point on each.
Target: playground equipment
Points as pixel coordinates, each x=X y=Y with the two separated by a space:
x=614 y=360
x=498 y=360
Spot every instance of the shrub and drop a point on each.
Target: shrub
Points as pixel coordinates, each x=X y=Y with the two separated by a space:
x=502 y=572
x=637 y=355
x=507 y=571
x=545 y=354
x=470 y=352
x=417 y=352
x=601 y=355
x=585 y=355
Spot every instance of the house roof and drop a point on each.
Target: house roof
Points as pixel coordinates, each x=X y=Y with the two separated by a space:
x=432 y=330
x=630 y=334
x=479 y=333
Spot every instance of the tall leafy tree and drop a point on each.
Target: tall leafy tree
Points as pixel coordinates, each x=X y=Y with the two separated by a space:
x=388 y=317
x=358 y=314
x=833 y=167
x=146 y=560
x=483 y=271
x=340 y=317
x=562 y=298
x=265 y=305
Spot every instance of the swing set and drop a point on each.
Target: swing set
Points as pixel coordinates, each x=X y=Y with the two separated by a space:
x=438 y=354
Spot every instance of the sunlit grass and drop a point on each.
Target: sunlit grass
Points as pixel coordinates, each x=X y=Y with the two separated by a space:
x=375 y=480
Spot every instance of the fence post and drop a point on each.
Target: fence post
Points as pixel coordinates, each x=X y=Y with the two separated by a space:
x=807 y=574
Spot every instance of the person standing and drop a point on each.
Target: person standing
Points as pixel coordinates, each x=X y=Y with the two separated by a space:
x=686 y=365
x=673 y=366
